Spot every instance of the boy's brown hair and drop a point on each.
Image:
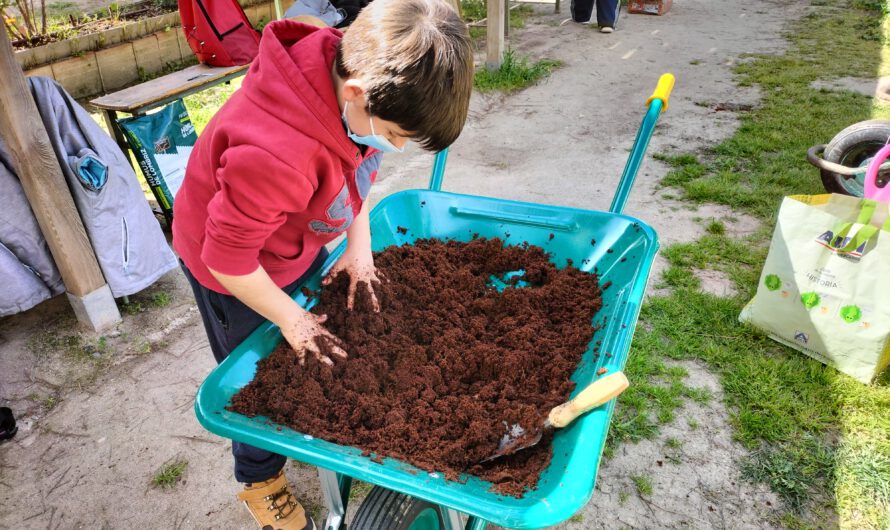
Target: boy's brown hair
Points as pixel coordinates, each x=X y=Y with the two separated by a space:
x=416 y=59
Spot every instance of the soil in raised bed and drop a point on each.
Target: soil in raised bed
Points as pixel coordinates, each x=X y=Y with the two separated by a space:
x=73 y=23
x=434 y=377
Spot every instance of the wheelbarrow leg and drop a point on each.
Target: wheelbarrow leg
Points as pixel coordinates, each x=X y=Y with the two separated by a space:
x=335 y=489
x=474 y=523
x=453 y=519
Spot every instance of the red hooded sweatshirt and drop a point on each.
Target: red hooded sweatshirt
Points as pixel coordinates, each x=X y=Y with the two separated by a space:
x=273 y=177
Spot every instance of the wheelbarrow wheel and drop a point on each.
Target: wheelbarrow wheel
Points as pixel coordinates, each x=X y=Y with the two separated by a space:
x=854 y=147
x=385 y=509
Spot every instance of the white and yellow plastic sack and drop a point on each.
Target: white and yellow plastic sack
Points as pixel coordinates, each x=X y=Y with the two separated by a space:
x=825 y=286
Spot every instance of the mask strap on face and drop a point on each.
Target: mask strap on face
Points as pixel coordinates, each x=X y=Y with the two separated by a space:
x=371 y=118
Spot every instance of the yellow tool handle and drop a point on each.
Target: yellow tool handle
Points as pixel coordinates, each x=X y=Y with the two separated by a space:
x=663 y=91
x=596 y=393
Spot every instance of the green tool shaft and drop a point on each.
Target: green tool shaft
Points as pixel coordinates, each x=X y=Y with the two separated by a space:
x=438 y=170
x=636 y=157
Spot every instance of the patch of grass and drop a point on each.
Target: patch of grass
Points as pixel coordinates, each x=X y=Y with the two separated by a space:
x=577 y=518
x=693 y=423
x=793 y=476
x=359 y=490
x=143 y=347
x=817 y=438
x=764 y=160
x=56 y=340
x=622 y=497
x=651 y=400
x=473 y=10
x=643 y=484
x=161 y=299
x=48 y=402
x=701 y=396
x=716 y=228
x=169 y=475
x=313 y=509
x=203 y=105
x=51 y=341
x=476 y=10
x=673 y=443
x=134 y=307
x=514 y=74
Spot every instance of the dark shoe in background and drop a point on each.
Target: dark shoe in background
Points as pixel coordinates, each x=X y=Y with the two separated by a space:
x=7 y=424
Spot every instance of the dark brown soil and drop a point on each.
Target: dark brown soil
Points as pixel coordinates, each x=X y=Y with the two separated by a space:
x=434 y=377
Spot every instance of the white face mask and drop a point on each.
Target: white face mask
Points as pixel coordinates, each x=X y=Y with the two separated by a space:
x=376 y=141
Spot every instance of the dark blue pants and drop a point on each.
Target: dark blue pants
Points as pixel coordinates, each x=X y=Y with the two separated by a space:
x=228 y=322
x=606 y=11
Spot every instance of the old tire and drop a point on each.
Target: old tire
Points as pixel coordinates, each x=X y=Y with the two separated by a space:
x=385 y=509
x=854 y=147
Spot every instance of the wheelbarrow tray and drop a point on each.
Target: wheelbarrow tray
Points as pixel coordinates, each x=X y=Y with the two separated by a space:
x=622 y=255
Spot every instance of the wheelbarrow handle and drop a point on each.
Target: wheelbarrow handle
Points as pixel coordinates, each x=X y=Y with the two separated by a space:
x=657 y=103
x=438 y=172
x=814 y=156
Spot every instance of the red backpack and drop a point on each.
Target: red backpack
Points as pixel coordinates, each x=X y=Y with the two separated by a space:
x=218 y=32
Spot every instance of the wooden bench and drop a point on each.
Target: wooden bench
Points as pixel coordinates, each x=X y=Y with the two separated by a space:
x=139 y=99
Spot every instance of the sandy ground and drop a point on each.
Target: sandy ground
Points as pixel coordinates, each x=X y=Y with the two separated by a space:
x=93 y=434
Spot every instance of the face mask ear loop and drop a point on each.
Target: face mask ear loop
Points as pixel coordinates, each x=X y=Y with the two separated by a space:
x=371 y=118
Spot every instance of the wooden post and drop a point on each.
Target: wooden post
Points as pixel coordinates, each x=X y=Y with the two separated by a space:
x=495 y=33
x=41 y=177
x=507 y=18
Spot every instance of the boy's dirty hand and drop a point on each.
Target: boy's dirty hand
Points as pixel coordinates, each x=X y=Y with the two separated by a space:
x=360 y=268
x=306 y=333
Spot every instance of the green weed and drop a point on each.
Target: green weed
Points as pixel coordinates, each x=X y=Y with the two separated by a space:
x=313 y=509
x=643 y=484
x=359 y=490
x=48 y=402
x=514 y=74
x=622 y=497
x=161 y=299
x=133 y=307
x=169 y=475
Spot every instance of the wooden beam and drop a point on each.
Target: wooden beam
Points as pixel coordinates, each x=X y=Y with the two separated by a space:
x=495 y=33
x=44 y=185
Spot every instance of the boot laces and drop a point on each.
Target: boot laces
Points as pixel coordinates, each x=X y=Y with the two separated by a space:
x=282 y=502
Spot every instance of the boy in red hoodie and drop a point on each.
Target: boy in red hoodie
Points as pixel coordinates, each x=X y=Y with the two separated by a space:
x=285 y=167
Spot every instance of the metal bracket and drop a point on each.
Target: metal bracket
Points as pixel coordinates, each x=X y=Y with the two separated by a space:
x=453 y=519
x=332 y=488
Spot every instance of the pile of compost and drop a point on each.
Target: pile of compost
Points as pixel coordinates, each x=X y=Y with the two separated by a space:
x=434 y=377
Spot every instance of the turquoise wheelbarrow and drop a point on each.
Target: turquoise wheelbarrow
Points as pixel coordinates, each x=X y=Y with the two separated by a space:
x=618 y=247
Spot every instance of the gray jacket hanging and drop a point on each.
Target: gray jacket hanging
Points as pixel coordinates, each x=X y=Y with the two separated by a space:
x=26 y=265
x=127 y=239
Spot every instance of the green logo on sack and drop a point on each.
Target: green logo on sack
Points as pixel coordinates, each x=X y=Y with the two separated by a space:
x=810 y=300
x=772 y=282
x=851 y=313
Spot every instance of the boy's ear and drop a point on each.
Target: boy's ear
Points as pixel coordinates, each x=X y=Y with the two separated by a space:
x=354 y=91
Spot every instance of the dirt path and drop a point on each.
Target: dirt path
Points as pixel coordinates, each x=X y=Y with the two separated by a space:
x=84 y=458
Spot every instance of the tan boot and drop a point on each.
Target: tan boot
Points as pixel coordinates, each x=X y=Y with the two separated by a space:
x=273 y=505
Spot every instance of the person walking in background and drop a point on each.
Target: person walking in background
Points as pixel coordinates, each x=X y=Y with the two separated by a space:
x=606 y=13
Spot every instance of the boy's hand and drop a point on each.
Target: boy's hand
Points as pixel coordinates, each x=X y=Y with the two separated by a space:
x=307 y=333
x=360 y=267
